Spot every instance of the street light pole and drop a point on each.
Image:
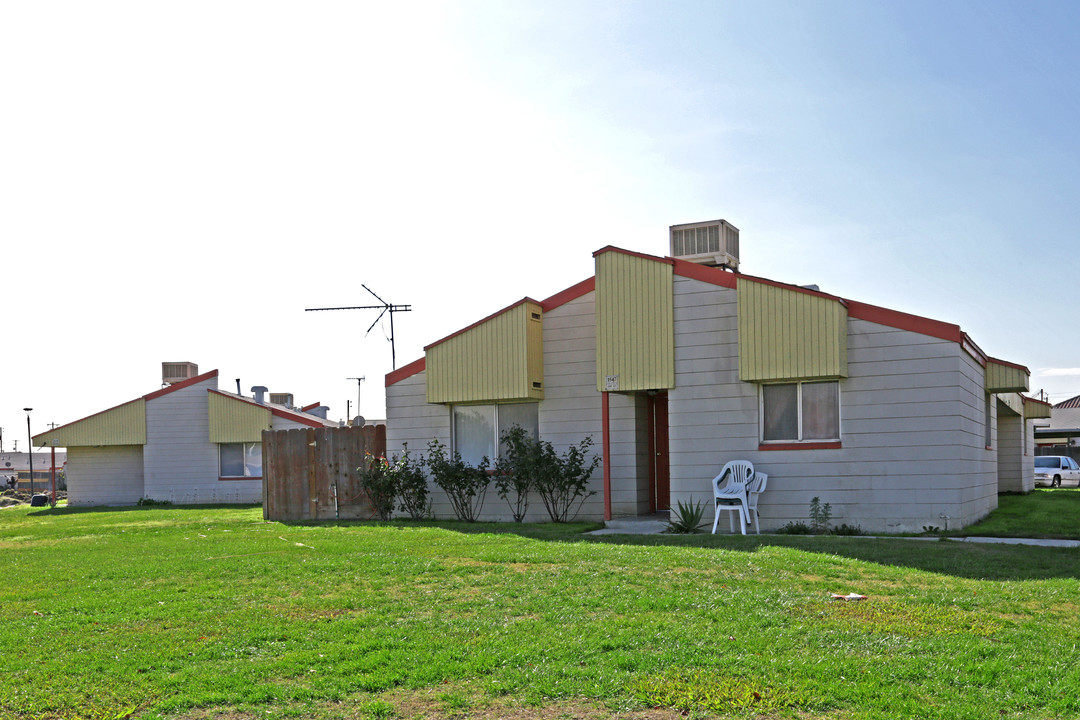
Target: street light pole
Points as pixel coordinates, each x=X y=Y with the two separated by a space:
x=30 y=448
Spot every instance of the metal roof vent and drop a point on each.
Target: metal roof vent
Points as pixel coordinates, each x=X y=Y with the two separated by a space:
x=174 y=372
x=260 y=391
x=715 y=242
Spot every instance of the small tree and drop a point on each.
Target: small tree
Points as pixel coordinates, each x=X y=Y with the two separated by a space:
x=411 y=484
x=562 y=481
x=516 y=469
x=465 y=485
x=379 y=484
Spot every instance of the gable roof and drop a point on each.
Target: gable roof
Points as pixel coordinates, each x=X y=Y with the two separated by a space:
x=1073 y=402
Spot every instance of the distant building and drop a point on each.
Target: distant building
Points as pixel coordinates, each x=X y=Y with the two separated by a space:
x=17 y=464
x=187 y=443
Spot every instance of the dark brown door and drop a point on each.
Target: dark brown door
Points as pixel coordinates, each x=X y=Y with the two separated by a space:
x=660 y=469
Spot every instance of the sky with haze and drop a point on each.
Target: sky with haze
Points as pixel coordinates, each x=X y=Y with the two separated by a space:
x=179 y=181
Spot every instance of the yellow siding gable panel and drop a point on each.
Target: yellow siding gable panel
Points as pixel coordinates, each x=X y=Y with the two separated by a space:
x=122 y=425
x=1005 y=377
x=635 y=322
x=501 y=358
x=788 y=334
x=234 y=421
x=1036 y=410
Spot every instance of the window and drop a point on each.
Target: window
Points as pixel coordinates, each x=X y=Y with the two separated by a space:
x=240 y=460
x=989 y=425
x=797 y=412
x=477 y=428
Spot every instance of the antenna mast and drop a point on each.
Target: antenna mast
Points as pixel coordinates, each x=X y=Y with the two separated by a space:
x=385 y=308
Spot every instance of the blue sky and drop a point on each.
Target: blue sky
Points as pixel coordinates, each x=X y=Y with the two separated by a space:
x=178 y=182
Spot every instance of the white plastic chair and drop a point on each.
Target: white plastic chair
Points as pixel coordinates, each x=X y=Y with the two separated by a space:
x=729 y=492
x=756 y=487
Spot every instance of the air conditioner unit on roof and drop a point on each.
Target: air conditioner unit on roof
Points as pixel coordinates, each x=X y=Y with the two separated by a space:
x=285 y=399
x=177 y=372
x=715 y=242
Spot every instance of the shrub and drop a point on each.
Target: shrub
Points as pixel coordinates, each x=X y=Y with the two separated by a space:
x=819 y=516
x=688 y=518
x=411 y=485
x=152 y=502
x=465 y=485
x=379 y=484
x=516 y=470
x=562 y=481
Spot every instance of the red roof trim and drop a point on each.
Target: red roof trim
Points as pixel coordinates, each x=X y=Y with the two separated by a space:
x=76 y=422
x=289 y=415
x=612 y=248
x=312 y=406
x=905 y=321
x=493 y=315
x=181 y=385
x=280 y=412
x=573 y=292
x=406 y=371
x=1006 y=363
x=714 y=276
x=1037 y=401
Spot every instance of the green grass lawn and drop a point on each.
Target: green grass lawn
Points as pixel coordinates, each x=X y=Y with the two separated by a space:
x=213 y=613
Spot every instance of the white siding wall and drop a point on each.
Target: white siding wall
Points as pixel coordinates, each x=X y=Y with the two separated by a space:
x=179 y=461
x=572 y=408
x=105 y=475
x=911 y=424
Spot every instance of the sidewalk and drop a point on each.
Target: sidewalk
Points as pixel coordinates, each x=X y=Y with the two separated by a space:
x=656 y=523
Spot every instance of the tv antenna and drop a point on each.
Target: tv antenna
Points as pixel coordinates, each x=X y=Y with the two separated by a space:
x=385 y=308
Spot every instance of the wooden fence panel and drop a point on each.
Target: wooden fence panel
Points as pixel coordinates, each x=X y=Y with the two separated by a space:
x=311 y=474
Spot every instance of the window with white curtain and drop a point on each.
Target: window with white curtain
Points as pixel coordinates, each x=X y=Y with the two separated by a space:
x=801 y=411
x=240 y=460
x=477 y=428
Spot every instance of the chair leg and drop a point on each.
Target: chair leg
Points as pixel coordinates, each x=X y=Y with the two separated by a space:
x=716 y=516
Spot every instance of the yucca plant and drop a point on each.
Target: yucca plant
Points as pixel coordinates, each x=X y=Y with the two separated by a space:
x=689 y=518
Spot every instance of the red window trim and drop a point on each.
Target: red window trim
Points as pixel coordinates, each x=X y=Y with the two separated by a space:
x=231 y=478
x=826 y=445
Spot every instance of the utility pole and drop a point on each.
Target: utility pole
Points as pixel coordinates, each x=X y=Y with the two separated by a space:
x=385 y=308
x=358 y=381
x=30 y=449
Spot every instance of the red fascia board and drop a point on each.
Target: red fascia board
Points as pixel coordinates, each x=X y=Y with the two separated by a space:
x=631 y=253
x=181 y=385
x=573 y=292
x=704 y=273
x=1006 y=363
x=288 y=415
x=1027 y=399
x=76 y=422
x=312 y=406
x=406 y=371
x=281 y=413
x=905 y=321
x=493 y=315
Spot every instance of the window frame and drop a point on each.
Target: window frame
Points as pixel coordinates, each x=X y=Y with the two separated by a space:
x=495 y=424
x=244 y=451
x=800 y=442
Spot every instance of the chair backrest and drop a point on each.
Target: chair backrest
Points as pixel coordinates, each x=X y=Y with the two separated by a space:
x=758 y=486
x=733 y=477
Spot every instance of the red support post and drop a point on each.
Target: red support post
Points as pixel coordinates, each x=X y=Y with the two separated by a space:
x=605 y=419
x=52 y=476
